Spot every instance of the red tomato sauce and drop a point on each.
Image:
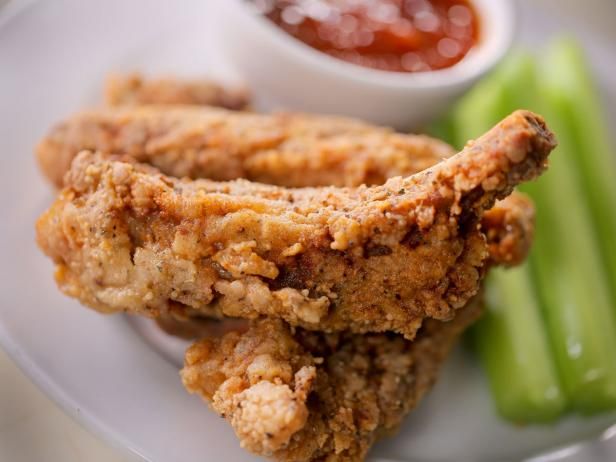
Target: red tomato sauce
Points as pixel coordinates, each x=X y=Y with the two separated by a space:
x=390 y=35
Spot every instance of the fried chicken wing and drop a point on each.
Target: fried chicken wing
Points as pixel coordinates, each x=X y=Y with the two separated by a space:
x=286 y=150
x=293 y=150
x=363 y=259
x=509 y=228
x=298 y=395
x=135 y=90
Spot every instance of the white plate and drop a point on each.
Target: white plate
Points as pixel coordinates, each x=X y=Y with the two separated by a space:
x=105 y=371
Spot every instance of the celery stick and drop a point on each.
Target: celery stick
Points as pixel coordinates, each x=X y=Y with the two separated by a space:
x=479 y=111
x=514 y=349
x=511 y=339
x=509 y=87
x=443 y=129
x=567 y=264
x=570 y=276
x=573 y=94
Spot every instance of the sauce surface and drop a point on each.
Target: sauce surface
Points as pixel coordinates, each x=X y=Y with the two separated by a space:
x=390 y=35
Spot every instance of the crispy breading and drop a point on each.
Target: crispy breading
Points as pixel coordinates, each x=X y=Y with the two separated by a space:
x=509 y=228
x=291 y=150
x=298 y=395
x=135 y=90
x=125 y=239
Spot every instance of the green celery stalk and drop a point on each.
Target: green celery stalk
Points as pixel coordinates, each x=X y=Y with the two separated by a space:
x=573 y=93
x=478 y=111
x=515 y=352
x=443 y=129
x=511 y=338
x=570 y=278
x=509 y=87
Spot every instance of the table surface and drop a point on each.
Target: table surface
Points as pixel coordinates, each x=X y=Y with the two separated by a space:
x=33 y=428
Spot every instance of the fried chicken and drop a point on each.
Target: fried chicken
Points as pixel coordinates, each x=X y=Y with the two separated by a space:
x=364 y=259
x=292 y=150
x=135 y=90
x=509 y=228
x=298 y=395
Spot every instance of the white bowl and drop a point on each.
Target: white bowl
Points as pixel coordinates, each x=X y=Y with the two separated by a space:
x=285 y=73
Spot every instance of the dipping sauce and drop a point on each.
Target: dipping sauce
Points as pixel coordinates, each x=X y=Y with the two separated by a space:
x=390 y=35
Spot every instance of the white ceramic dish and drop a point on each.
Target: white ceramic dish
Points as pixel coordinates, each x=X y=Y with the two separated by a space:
x=120 y=378
x=278 y=65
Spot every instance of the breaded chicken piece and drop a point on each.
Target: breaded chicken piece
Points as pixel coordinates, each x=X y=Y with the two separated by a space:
x=135 y=90
x=364 y=259
x=293 y=150
x=297 y=395
x=361 y=259
x=509 y=228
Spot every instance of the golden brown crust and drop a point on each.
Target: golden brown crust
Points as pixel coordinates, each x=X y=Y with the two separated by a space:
x=291 y=150
x=509 y=228
x=127 y=239
x=135 y=90
x=327 y=396
x=286 y=150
